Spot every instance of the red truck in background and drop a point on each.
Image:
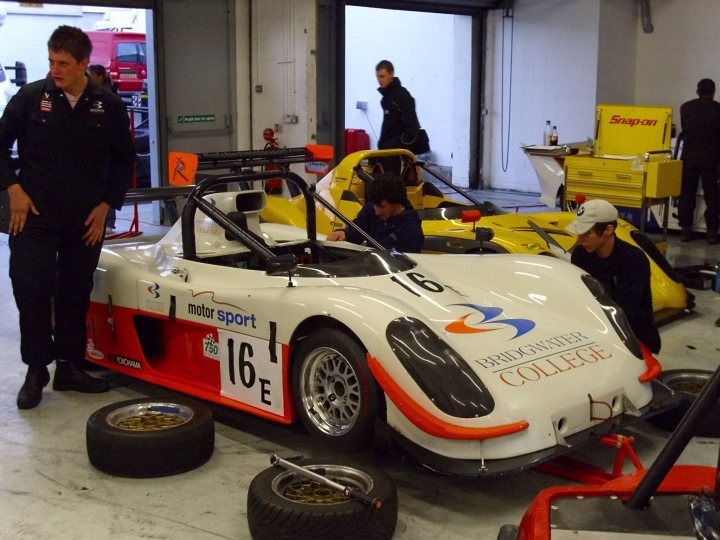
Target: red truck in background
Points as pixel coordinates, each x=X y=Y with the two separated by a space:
x=124 y=56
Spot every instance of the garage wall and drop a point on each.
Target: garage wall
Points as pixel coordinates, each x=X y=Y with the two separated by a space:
x=282 y=70
x=569 y=56
x=617 y=43
x=682 y=50
x=554 y=77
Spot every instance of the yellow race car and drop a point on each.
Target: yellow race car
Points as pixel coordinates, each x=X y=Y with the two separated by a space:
x=456 y=222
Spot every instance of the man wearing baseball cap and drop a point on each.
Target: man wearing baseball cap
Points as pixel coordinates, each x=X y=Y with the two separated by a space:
x=622 y=268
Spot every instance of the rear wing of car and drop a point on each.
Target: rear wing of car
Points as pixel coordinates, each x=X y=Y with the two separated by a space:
x=183 y=166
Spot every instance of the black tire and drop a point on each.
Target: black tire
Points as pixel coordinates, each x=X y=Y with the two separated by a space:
x=509 y=532
x=283 y=505
x=336 y=397
x=124 y=439
x=687 y=383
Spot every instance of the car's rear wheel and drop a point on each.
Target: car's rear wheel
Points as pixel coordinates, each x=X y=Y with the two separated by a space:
x=335 y=394
x=146 y=438
x=284 y=505
x=688 y=383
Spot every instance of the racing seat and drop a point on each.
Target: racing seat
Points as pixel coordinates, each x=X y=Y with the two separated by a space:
x=410 y=176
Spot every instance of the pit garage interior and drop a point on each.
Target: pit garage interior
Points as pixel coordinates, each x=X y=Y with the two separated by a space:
x=250 y=64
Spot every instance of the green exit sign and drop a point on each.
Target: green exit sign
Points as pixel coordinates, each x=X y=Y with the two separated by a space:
x=192 y=118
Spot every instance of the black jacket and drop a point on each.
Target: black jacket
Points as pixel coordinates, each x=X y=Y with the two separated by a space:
x=400 y=122
x=402 y=232
x=700 y=119
x=70 y=160
x=626 y=276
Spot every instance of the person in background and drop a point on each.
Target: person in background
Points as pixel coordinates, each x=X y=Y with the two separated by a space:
x=622 y=268
x=99 y=75
x=387 y=217
x=400 y=122
x=700 y=120
x=75 y=162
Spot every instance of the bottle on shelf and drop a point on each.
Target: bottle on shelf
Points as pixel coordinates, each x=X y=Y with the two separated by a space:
x=547 y=133
x=554 y=136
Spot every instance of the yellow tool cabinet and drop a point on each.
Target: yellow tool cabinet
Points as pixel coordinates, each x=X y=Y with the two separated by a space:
x=631 y=163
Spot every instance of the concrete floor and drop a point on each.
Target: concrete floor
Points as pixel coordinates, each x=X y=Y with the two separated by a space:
x=48 y=489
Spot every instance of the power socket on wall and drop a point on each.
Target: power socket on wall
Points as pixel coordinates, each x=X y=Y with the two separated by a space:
x=361 y=105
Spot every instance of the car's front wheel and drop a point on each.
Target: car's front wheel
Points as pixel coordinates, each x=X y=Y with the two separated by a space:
x=335 y=394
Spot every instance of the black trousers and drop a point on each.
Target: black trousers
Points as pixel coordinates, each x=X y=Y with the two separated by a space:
x=52 y=277
x=692 y=175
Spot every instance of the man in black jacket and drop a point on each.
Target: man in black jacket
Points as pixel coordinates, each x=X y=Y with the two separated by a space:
x=700 y=119
x=622 y=268
x=400 y=122
x=387 y=217
x=75 y=162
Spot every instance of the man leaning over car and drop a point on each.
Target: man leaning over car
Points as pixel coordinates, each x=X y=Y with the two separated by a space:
x=622 y=268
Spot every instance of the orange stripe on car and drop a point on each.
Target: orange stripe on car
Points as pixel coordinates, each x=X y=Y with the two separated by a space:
x=430 y=423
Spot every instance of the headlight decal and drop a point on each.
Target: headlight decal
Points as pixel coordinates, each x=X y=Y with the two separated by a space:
x=438 y=370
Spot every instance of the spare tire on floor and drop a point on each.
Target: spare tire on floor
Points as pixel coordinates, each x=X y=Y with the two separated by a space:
x=687 y=383
x=283 y=505
x=146 y=438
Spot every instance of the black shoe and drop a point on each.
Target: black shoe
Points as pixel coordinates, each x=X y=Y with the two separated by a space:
x=712 y=238
x=686 y=235
x=30 y=394
x=70 y=377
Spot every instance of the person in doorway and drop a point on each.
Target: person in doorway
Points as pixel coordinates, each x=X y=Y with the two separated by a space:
x=75 y=161
x=387 y=217
x=622 y=268
x=700 y=120
x=99 y=75
x=400 y=123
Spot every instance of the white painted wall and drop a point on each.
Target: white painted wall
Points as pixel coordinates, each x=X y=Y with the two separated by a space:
x=282 y=62
x=554 y=77
x=569 y=56
x=682 y=50
x=431 y=55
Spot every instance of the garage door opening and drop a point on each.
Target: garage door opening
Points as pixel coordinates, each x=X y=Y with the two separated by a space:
x=432 y=55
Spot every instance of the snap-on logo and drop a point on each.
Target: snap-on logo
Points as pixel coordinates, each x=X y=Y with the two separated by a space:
x=127 y=362
x=632 y=122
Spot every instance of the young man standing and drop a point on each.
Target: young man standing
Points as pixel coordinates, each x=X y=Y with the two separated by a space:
x=75 y=163
x=622 y=268
x=387 y=217
x=400 y=122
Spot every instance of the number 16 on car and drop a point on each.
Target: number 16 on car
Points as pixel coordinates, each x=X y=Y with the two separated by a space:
x=251 y=371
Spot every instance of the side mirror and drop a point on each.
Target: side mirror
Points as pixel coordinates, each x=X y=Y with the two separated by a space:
x=484 y=234
x=282 y=264
x=20 y=70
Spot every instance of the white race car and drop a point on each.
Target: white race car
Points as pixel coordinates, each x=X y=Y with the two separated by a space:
x=474 y=365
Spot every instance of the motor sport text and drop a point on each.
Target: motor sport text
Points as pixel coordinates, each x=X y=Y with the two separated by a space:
x=632 y=122
x=251 y=370
x=538 y=365
x=230 y=318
